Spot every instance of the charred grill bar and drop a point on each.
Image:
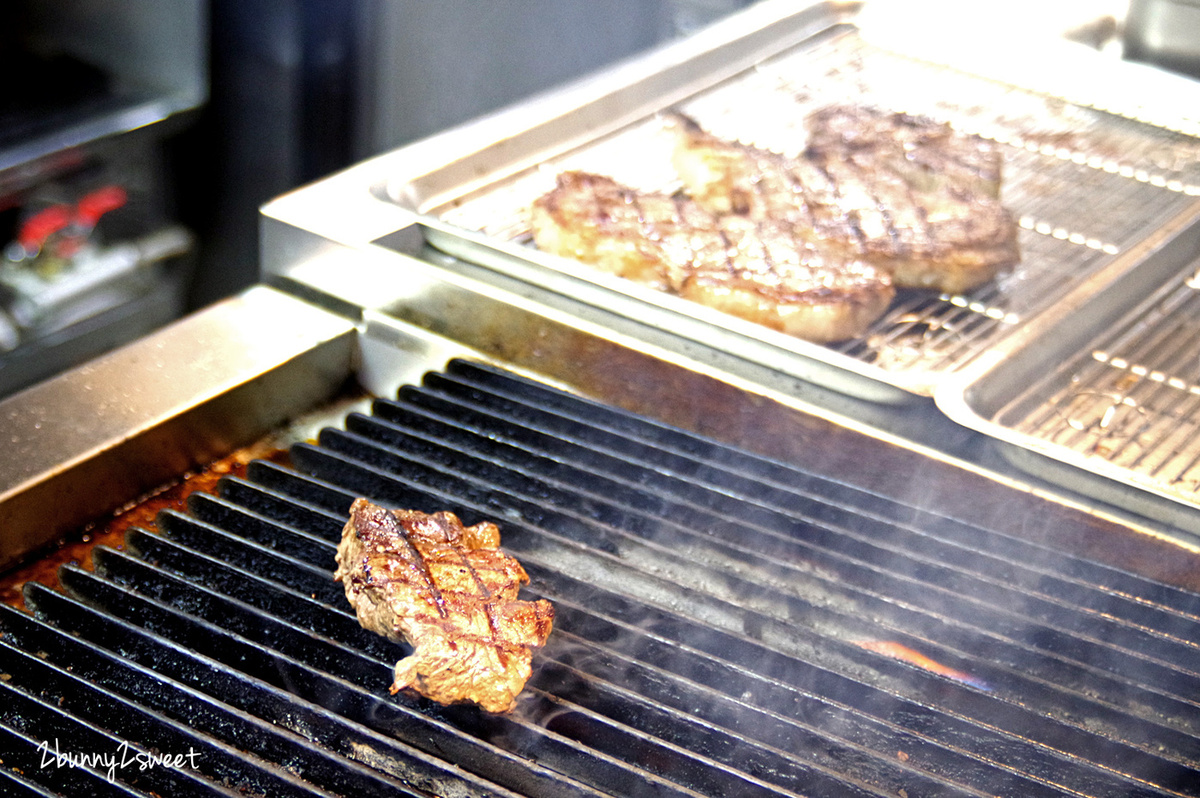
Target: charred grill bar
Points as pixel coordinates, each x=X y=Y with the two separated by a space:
x=714 y=610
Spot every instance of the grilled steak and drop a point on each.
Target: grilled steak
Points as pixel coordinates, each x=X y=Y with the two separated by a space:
x=928 y=153
x=756 y=269
x=450 y=592
x=904 y=193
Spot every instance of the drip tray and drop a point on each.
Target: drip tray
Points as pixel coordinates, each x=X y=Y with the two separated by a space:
x=1103 y=399
x=726 y=624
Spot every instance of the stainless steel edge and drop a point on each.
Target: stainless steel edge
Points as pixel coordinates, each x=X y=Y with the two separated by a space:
x=1108 y=484
x=94 y=438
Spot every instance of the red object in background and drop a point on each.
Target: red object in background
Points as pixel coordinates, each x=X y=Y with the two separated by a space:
x=79 y=221
x=42 y=225
x=99 y=202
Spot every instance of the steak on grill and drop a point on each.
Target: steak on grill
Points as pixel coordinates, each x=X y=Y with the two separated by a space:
x=905 y=193
x=756 y=269
x=450 y=592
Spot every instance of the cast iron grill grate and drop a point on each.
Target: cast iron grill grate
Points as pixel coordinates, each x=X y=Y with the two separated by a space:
x=727 y=625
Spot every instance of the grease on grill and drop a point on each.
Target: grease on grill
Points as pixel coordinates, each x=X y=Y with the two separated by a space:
x=76 y=548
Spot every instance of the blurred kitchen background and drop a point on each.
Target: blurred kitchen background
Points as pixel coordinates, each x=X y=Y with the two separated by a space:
x=138 y=139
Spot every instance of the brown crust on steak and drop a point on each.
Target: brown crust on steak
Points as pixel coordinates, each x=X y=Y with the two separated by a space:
x=450 y=592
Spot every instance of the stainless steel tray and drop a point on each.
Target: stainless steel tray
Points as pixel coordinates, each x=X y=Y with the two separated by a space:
x=1088 y=186
x=1103 y=397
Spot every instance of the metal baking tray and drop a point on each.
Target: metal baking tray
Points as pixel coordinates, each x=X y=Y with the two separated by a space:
x=1103 y=397
x=1088 y=186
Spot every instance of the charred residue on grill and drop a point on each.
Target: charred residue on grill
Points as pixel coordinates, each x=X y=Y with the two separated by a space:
x=76 y=548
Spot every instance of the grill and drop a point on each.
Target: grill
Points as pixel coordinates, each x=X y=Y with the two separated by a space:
x=727 y=624
x=778 y=569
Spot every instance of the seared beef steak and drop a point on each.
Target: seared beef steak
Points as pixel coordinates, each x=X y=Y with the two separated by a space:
x=905 y=193
x=810 y=245
x=754 y=269
x=449 y=591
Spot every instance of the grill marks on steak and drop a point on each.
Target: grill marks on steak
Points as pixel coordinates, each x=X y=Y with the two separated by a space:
x=903 y=192
x=810 y=245
x=757 y=269
x=450 y=592
x=927 y=152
